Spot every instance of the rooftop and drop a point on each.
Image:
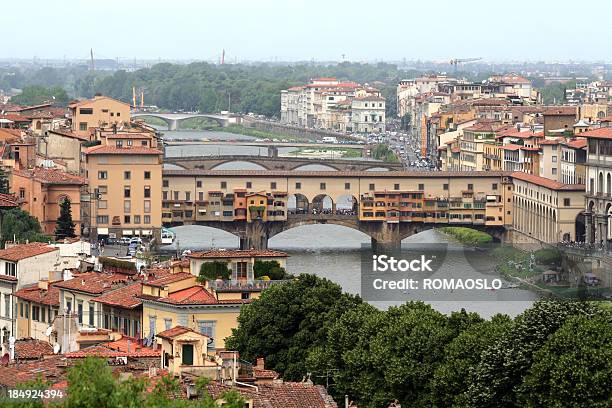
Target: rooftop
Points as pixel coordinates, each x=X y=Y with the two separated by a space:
x=125 y=297
x=601 y=133
x=238 y=253
x=548 y=183
x=176 y=331
x=171 y=278
x=108 y=149
x=93 y=282
x=51 y=176
x=335 y=174
x=33 y=293
x=23 y=251
x=31 y=349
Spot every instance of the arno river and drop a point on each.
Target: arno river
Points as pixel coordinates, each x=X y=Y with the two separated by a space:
x=335 y=252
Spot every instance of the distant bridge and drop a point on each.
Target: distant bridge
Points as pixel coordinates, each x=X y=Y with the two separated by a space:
x=272 y=143
x=279 y=163
x=173 y=119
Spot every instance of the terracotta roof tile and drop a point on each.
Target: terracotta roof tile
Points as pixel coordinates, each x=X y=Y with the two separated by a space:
x=93 y=282
x=560 y=110
x=548 y=183
x=238 y=253
x=23 y=251
x=30 y=349
x=107 y=149
x=193 y=295
x=51 y=176
x=283 y=395
x=104 y=350
x=49 y=369
x=124 y=297
x=8 y=200
x=68 y=133
x=601 y=133
x=176 y=331
x=34 y=294
x=171 y=278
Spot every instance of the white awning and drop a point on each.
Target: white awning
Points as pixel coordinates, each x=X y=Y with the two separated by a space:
x=102 y=231
x=126 y=232
x=147 y=232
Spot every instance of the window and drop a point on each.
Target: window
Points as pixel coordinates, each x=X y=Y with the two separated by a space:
x=554 y=159
x=241 y=270
x=137 y=219
x=347 y=186
x=86 y=111
x=199 y=184
x=147 y=192
x=165 y=183
x=10 y=269
x=249 y=184
x=322 y=186
x=127 y=206
x=273 y=185
x=207 y=327
x=112 y=113
x=127 y=192
x=164 y=195
x=36 y=313
x=102 y=175
x=470 y=186
x=91 y=314
x=147 y=175
x=224 y=184
x=200 y=196
x=22 y=192
x=396 y=186
x=554 y=171
x=421 y=186
x=102 y=204
x=372 y=186
x=7 y=305
x=118 y=114
x=129 y=142
x=147 y=206
x=119 y=143
x=20 y=309
x=494 y=186
x=445 y=186
x=102 y=219
x=69 y=305
x=80 y=311
x=147 y=219
x=167 y=324
x=127 y=175
x=43 y=315
x=298 y=186
x=126 y=219
x=566 y=202
x=83 y=126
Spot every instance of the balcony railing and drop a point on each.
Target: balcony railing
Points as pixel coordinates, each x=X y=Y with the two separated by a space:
x=234 y=285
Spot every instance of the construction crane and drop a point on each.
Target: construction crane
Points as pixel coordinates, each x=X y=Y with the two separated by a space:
x=455 y=62
x=134 y=92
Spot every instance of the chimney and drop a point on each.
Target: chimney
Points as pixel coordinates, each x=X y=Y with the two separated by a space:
x=260 y=364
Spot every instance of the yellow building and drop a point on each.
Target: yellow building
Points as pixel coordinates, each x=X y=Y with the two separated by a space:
x=37 y=306
x=97 y=112
x=126 y=180
x=239 y=261
x=178 y=300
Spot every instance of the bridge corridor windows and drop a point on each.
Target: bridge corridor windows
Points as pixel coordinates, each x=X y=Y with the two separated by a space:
x=323 y=204
x=298 y=204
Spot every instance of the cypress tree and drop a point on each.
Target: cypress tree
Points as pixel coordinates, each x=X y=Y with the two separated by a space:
x=65 y=226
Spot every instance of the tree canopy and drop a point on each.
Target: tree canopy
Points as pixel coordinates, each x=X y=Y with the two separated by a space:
x=20 y=226
x=287 y=320
x=36 y=94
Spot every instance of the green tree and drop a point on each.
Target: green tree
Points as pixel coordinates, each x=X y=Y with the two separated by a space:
x=271 y=269
x=4 y=182
x=288 y=320
x=213 y=270
x=20 y=226
x=504 y=363
x=573 y=368
x=452 y=378
x=65 y=226
x=36 y=94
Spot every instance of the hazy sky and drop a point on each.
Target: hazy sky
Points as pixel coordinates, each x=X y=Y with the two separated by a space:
x=306 y=29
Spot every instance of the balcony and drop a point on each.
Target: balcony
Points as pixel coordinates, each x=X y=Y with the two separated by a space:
x=255 y=285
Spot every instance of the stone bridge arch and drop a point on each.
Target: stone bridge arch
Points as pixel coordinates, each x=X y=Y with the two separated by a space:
x=234 y=160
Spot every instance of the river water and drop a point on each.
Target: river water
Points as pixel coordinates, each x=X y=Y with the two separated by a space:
x=335 y=252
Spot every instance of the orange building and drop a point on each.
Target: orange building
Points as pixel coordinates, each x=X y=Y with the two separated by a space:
x=41 y=190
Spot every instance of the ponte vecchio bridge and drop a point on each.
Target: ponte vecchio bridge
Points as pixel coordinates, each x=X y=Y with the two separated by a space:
x=387 y=206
